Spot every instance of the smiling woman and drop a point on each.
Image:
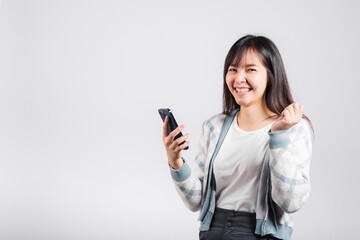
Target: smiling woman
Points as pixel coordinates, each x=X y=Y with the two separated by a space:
x=256 y=63
x=252 y=168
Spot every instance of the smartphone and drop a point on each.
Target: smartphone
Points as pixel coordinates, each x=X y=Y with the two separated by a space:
x=172 y=123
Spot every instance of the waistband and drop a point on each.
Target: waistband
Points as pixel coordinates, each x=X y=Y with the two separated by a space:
x=244 y=221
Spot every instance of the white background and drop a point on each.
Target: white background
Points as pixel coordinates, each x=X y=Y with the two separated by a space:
x=81 y=155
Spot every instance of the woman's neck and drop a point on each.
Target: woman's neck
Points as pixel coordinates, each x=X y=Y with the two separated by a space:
x=255 y=117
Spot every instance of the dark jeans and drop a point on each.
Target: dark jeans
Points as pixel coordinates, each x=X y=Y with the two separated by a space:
x=232 y=225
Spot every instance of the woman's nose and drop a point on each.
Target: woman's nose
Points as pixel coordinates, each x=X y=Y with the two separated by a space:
x=240 y=78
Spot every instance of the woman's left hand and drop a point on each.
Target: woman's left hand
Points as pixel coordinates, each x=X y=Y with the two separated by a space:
x=291 y=115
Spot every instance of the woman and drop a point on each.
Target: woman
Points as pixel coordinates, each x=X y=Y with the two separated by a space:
x=252 y=168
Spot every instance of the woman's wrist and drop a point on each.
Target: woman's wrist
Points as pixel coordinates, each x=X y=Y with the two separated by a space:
x=178 y=163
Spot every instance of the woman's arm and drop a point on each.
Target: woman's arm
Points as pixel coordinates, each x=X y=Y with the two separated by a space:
x=188 y=181
x=290 y=155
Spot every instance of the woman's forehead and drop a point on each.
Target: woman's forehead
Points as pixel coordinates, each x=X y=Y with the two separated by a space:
x=247 y=57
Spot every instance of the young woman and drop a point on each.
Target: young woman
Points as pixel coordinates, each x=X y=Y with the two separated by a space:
x=252 y=168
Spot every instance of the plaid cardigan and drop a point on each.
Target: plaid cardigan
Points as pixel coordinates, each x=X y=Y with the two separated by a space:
x=284 y=182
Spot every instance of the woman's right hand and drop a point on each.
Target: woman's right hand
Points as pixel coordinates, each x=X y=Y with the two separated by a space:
x=173 y=150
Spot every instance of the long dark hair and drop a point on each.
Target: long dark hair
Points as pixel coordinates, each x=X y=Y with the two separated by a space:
x=277 y=93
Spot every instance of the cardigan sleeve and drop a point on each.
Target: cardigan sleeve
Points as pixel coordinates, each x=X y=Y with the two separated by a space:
x=290 y=155
x=188 y=180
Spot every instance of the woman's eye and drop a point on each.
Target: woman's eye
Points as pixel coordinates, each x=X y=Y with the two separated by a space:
x=232 y=70
x=251 y=69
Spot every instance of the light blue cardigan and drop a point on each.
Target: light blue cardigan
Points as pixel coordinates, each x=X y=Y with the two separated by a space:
x=284 y=182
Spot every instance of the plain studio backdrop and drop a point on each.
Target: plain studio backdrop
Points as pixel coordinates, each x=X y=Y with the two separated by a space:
x=81 y=154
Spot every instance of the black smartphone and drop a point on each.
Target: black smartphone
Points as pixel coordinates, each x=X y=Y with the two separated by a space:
x=172 y=122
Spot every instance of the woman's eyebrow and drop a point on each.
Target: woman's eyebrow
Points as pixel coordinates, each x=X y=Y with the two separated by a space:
x=247 y=65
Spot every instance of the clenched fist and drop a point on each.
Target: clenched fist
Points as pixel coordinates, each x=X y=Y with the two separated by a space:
x=291 y=115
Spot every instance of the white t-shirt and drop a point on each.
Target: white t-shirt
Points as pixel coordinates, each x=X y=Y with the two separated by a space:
x=237 y=167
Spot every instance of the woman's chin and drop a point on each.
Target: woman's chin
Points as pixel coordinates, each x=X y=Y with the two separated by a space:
x=242 y=102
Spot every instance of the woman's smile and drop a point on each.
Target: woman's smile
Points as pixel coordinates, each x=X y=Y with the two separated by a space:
x=242 y=91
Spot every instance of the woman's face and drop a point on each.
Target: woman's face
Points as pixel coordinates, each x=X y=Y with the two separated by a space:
x=247 y=81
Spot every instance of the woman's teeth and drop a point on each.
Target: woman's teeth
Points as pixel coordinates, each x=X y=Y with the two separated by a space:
x=242 y=90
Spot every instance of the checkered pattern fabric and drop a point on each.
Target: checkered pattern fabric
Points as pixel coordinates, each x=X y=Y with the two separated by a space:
x=284 y=182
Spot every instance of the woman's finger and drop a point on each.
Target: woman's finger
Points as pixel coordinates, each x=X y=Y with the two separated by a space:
x=169 y=139
x=287 y=116
x=297 y=109
x=178 y=141
x=292 y=113
x=165 y=127
x=301 y=110
x=182 y=146
x=176 y=131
